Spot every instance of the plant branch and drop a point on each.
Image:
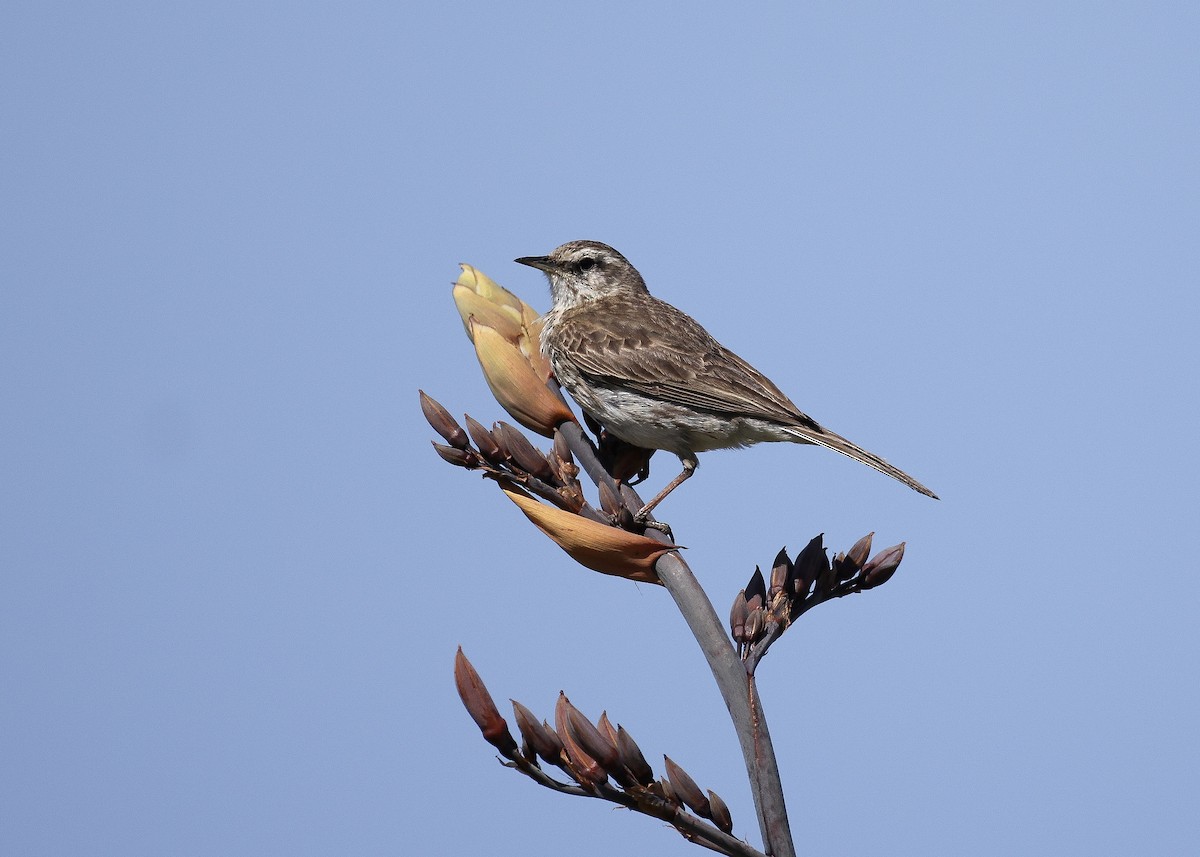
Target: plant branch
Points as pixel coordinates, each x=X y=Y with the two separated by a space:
x=689 y=826
x=735 y=684
x=741 y=699
x=506 y=456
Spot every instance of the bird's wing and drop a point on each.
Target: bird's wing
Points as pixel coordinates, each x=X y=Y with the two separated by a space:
x=659 y=351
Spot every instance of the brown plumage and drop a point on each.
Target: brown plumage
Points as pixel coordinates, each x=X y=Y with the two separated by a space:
x=654 y=377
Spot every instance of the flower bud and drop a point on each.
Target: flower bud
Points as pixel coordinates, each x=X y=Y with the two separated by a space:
x=530 y=344
x=552 y=736
x=515 y=384
x=756 y=621
x=458 y=457
x=663 y=786
x=810 y=564
x=781 y=570
x=484 y=442
x=539 y=736
x=687 y=790
x=591 y=740
x=563 y=449
x=606 y=728
x=476 y=294
x=610 y=503
x=597 y=744
x=879 y=569
x=737 y=618
x=756 y=588
x=474 y=309
x=861 y=550
x=483 y=303
x=562 y=463
x=719 y=812
x=479 y=705
x=632 y=758
x=442 y=423
x=524 y=454
x=581 y=766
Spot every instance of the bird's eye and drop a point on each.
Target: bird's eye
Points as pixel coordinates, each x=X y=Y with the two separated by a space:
x=586 y=264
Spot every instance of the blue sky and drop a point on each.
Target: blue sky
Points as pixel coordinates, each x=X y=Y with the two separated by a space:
x=235 y=574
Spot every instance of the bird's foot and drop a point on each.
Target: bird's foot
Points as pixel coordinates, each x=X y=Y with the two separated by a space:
x=643 y=518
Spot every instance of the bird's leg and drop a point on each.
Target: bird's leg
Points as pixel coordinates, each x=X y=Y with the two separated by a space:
x=690 y=463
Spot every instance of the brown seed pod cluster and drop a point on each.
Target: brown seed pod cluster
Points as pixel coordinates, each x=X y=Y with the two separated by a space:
x=763 y=611
x=601 y=539
x=505 y=454
x=601 y=760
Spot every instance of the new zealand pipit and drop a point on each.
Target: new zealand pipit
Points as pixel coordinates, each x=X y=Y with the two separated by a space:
x=654 y=377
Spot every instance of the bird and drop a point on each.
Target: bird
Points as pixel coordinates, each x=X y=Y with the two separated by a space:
x=654 y=377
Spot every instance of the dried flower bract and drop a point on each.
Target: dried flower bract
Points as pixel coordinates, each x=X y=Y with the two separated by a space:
x=594 y=545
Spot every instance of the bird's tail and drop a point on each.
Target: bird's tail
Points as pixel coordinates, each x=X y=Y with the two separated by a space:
x=830 y=440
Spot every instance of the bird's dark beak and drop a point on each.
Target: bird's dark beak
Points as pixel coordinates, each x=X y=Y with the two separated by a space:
x=542 y=263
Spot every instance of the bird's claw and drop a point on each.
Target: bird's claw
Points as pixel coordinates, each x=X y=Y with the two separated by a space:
x=662 y=526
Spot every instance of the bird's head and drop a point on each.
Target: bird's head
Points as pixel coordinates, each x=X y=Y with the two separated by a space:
x=580 y=271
